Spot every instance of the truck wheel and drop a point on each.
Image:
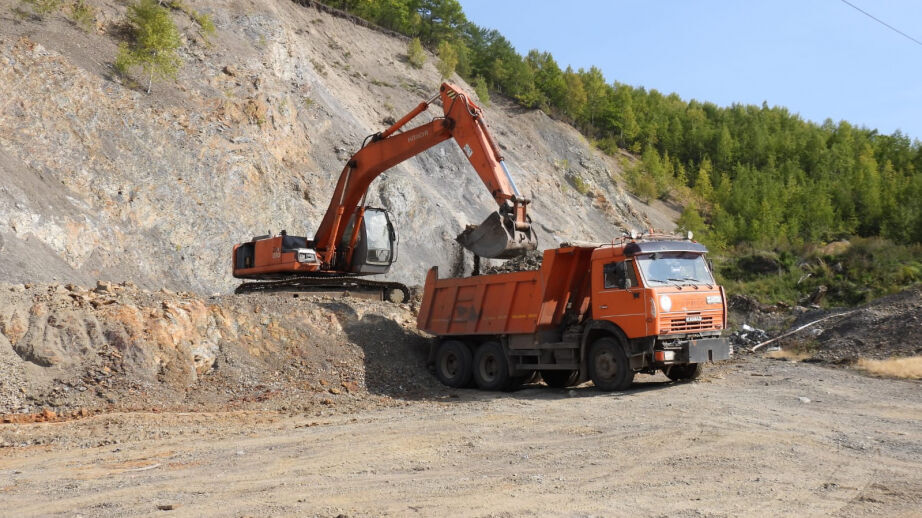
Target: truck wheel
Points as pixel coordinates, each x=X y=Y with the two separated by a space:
x=453 y=364
x=608 y=365
x=685 y=372
x=560 y=379
x=491 y=369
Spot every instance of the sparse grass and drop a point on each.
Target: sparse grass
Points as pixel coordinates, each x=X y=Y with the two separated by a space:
x=318 y=66
x=578 y=183
x=378 y=82
x=903 y=368
x=42 y=8
x=83 y=15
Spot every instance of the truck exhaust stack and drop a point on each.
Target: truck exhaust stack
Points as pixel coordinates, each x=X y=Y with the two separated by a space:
x=497 y=238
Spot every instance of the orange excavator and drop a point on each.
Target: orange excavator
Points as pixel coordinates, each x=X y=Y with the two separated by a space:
x=356 y=240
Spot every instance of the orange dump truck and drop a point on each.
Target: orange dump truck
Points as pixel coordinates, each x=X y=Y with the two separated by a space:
x=590 y=312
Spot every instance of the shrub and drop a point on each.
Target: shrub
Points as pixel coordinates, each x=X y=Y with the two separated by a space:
x=448 y=59
x=415 y=53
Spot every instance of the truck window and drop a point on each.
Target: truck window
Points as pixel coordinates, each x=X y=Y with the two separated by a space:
x=617 y=275
x=674 y=268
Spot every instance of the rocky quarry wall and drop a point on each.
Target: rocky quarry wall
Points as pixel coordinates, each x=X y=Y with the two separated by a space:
x=103 y=181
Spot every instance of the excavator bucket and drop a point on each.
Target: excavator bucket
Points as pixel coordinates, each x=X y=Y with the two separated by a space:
x=497 y=238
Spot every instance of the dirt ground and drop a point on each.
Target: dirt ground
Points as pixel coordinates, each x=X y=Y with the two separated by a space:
x=754 y=437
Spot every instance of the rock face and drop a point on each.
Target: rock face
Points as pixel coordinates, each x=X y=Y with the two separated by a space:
x=102 y=181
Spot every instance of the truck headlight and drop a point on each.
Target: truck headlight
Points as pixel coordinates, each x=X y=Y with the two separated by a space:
x=665 y=302
x=713 y=299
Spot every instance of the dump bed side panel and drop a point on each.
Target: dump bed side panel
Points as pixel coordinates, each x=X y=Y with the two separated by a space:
x=486 y=304
x=563 y=278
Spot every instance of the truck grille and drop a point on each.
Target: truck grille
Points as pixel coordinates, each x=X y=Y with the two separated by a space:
x=680 y=325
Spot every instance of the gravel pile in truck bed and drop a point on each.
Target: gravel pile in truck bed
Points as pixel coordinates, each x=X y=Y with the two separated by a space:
x=529 y=262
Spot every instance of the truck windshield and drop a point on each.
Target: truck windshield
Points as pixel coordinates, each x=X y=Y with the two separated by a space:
x=674 y=268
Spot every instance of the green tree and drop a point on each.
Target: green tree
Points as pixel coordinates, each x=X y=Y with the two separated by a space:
x=691 y=220
x=703 y=185
x=480 y=88
x=575 y=100
x=155 y=43
x=596 y=89
x=415 y=53
x=440 y=20
x=448 y=59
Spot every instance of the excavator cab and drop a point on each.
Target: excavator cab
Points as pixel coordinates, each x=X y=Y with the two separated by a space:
x=376 y=244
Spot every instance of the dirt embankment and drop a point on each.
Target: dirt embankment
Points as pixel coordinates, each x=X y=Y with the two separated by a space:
x=116 y=347
x=883 y=329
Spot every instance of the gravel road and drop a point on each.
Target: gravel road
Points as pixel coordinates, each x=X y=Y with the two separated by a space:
x=754 y=437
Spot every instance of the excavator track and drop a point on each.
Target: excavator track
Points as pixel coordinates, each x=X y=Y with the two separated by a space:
x=389 y=291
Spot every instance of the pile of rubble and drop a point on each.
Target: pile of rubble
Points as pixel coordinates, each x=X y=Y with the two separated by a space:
x=747 y=337
x=528 y=262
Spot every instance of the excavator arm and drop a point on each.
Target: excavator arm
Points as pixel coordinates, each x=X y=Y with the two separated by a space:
x=505 y=233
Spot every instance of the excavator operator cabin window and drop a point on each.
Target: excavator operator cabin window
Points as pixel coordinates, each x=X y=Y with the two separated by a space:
x=619 y=275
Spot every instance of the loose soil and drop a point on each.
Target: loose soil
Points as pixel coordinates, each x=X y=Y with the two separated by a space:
x=754 y=437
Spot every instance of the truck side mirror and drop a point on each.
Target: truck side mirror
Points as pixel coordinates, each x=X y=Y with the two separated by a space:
x=626 y=283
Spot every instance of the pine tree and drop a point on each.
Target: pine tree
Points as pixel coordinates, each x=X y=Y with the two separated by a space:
x=703 y=186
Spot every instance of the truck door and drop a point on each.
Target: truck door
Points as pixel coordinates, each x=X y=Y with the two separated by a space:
x=617 y=297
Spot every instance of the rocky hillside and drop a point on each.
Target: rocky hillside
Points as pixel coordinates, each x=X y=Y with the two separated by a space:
x=99 y=180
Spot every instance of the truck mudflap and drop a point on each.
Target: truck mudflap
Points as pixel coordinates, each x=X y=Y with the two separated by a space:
x=708 y=350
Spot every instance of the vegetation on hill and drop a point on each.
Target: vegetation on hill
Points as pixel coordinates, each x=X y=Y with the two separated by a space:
x=750 y=177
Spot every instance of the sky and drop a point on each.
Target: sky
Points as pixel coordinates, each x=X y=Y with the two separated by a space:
x=818 y=58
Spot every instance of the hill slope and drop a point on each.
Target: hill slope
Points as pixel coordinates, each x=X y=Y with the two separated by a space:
x=102 y=181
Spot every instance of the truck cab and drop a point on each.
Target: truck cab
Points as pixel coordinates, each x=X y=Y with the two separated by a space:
x=660 y=298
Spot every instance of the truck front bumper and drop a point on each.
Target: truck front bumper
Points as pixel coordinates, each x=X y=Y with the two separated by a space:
x=699 y=350
x=708 y=350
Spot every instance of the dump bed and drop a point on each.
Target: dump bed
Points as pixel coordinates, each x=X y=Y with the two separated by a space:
x=507 y=303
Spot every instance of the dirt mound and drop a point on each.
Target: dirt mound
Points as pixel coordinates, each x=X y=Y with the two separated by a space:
x=886 y=328
x=117 y=347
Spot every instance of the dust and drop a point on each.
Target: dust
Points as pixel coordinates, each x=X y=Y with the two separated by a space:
x=902 y=368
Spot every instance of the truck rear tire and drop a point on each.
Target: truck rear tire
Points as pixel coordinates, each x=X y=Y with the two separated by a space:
x=491 y=368
x=453 y=364
x=608 y=364
x=686 y=372
x=560 y=379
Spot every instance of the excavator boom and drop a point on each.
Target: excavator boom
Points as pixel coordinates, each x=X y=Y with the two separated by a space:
x=504 y=234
